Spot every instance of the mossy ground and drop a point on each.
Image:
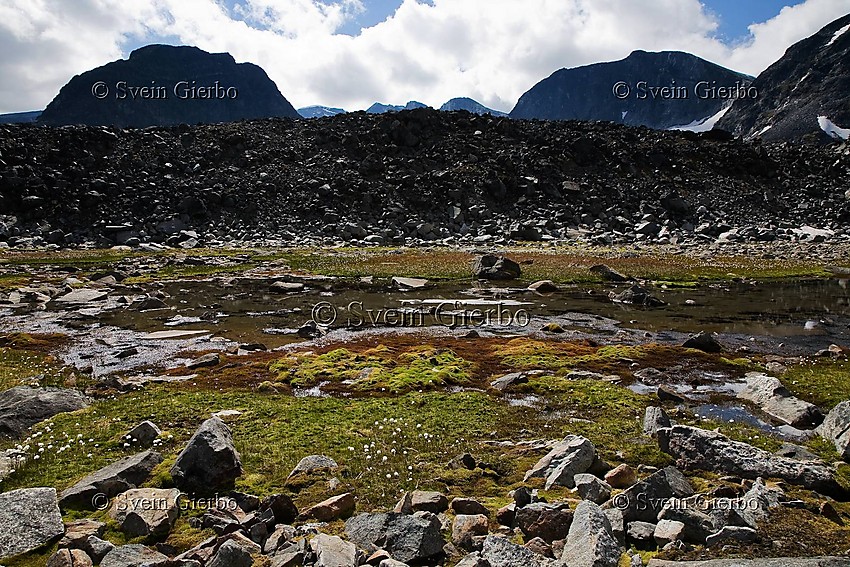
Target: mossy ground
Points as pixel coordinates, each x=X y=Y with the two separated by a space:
x=825 y=383
x=563 y=264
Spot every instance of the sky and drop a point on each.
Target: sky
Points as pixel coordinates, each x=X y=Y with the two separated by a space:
x=351 y=53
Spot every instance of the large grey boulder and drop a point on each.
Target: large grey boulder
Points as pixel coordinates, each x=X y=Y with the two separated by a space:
x=69 y=558
x=333 y=551
x=30 y=518
x=592 y=488
x=146 y=511
x=590 y=542
x=499 y=552
x=569 y=457
x=209 y=461
x=231 y=554
x=836 y=429
x=408 y=538
x=549 y=522
x=775 y=400
x=696 y=448
x=134 y=555
x=697 y=524
x=644 y=500
x=491 y=267
x=109 y=481
x=22 y=407
x=655 y=418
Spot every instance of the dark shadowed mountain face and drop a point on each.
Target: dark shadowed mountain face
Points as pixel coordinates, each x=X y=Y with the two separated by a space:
x=469 y=105
x=811 y=80
x=659 y=90
x=19 y=117
x=161 y=85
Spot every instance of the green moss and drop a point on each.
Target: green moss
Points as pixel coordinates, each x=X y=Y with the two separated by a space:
x=824 y=383
x=380 y=368
x=28 y=368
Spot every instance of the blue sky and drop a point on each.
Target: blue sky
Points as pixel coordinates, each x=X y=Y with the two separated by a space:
x=351 y=53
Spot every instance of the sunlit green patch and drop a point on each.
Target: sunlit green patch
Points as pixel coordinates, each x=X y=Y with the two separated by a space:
x=380 y=368
x=825 y=383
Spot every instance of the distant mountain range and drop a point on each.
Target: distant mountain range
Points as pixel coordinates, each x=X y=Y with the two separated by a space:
x=469 y=105
x=804 y=95
x=658 y=90
x=160 y=85
x=380 y=108
x=319 y=111
x=801 y=97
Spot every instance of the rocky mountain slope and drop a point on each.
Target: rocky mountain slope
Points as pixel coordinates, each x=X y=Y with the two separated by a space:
x=659 y=90
x=319 y=111
x=469 y=105
x=162 y=85
x=381 y=108
x=408 y=177
x=810 y=81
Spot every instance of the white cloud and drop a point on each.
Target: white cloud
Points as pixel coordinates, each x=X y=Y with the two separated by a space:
x=490 y=50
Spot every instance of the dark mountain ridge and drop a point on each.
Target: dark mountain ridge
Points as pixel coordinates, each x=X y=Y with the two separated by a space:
x=162 y=85
x=811 y=80
x=658 y=90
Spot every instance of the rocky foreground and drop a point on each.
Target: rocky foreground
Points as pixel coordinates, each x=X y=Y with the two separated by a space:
x=415 y=177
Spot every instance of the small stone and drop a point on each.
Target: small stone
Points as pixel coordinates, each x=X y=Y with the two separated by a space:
x=667 y=531
x=736 y=533
x=331 y=509
x=466 y=526
x=210 y=359
x=591 y=488
x=144 y=434
x=468 y=506
x=623 y=476
x=69 y=558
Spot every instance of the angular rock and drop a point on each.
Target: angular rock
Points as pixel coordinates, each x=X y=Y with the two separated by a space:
x=540 y=547
x=505 y=382
x=700 y=449
x=409 y=283
x=775 y=400
x=622 y=476
x=340 y=506
x=465 y=527
x=407 y=538
x=143 y=434
x=209 y=461
x=569 y=457
x=425 y=501
x=636 y=295
x=703 y=341
x=549 y=522
x=490 y=267
x=109 y=481
x=474 y=559
x=22 y=407
x=286 y=287
x=30 y=518
x=69 y=558
x=209 y=359
x=607 y=274
x=231 y=554
x=836 y=429
x=618 y=524
x=499 y=552
x=313 y=463
x=640 y=532
x=698 y=524
x=83 y=295
x=668 y=531
x=654 y=419
x=134 y=555
x=78 y=531
x=591 y=488
x=468 y=506
x=544 y=286
x=281 y=506
x=96 y=548
x=590 y=542
x=735 y=533
x=146 y=511
x=644 y=500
